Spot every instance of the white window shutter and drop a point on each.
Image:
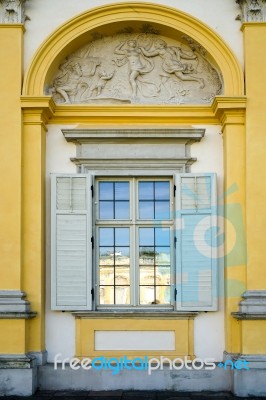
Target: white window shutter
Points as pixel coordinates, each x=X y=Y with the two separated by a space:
x=71 y=247
x=196 y=242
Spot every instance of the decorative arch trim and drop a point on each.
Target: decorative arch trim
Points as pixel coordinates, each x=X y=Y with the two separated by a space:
x=60 y=43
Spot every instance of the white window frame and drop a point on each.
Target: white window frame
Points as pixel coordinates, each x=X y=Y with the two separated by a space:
x=133 y=223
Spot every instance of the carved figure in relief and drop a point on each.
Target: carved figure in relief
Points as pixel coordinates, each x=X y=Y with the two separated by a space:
x=67 y=82
x=138 y=64
x=100 y=84
x=172 y=61
x=138 y=68
x=75 y=77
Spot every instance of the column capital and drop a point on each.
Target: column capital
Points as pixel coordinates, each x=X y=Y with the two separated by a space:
x=37 y=110
x=12 y=11
x=230 y=110
x=252 y=10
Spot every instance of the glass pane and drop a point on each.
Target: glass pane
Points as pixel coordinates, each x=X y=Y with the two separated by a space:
x=146 y=210
x=162 y=210
x=122 y=236
x=163 y=294
x=163 y=275
x=147 y=295
x=146 y=256
x=162 y=190
x=122 y=275
x=106 y=256
x=106 y=275
x=146 y=236
x=121 y=190
x=106 y=295
x=106 y=210
x=122 y=256
x=122 y=210
x=106 y=191
x=162 y=236
x=146 y=275
x=162 y=255
x=146 y=190
x=122 y=295
x=106 y=236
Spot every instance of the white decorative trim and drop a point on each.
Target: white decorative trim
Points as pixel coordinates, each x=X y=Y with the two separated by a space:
x=14 y=306
x=91 y=135
x=136 y=314
x=13 y=301
x=17 y=315
x=253 y=306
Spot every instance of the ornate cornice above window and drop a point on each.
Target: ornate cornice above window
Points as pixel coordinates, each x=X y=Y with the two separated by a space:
x=12 y=11
x=252 y=10
x=134 y=149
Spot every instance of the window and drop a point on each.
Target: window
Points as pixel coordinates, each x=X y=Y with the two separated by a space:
x=134 y=241
x=142 y=242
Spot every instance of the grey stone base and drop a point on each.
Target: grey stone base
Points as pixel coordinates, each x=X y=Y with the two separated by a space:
x=251 y=382
x=175 y=380
x=18 y=375
x=22 y=376
x=19 y=382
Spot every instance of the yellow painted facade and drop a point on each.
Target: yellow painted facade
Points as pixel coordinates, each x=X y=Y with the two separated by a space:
x=240 y=112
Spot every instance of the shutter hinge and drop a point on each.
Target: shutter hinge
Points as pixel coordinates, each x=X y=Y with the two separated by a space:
x=174 y=190
x=92 y=294
x=92 y=191
x=175 y=240
x=175 y=294
x=92 y=242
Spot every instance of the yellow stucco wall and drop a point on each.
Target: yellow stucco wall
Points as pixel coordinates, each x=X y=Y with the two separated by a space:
x=11 y=53
x=255 y=66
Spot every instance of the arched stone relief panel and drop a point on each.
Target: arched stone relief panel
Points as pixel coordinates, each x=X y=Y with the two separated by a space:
x=141 y=66
x=176 y=28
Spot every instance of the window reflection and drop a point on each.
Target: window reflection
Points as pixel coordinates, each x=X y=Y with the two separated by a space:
x=114 y=265
x=154 y=265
